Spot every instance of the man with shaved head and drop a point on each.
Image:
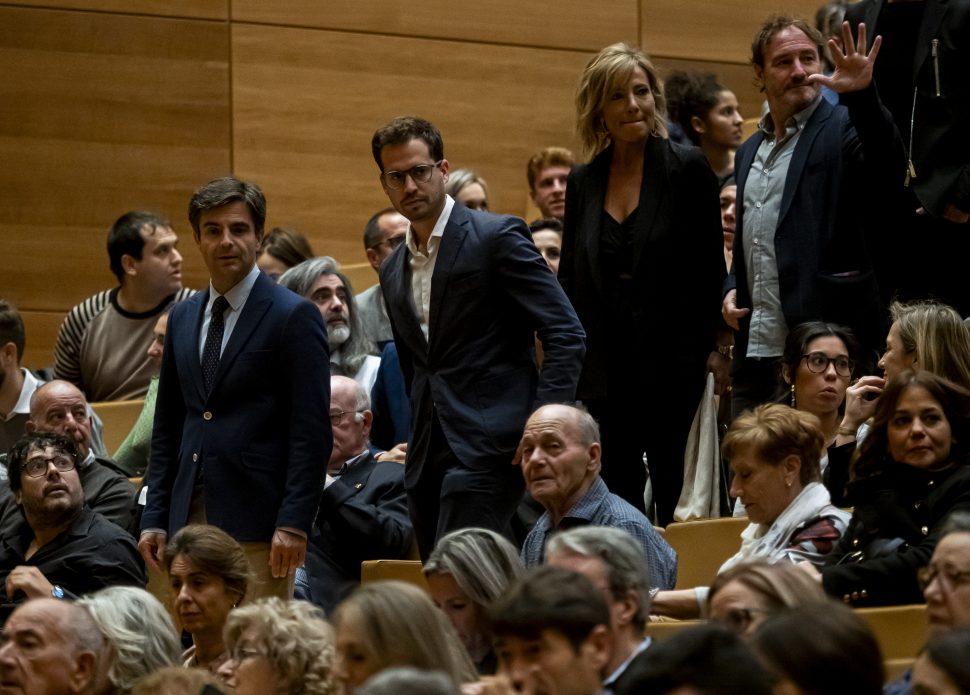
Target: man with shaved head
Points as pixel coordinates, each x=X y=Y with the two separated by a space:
x=51 y=647
x=560 y=456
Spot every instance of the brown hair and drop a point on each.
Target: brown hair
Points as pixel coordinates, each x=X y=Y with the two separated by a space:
x=775 y=432
x=215 y=552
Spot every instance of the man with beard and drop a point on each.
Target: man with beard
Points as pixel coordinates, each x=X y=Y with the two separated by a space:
x=350 y=351
x=61 y=548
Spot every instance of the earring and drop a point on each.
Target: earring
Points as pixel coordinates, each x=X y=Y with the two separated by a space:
x=789 y=483
x=793 y=395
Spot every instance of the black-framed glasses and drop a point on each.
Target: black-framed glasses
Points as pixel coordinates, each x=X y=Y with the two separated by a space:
x=37 y=466
x=949 y=577
x=391 y=242
x=738 y=620
x=337 y=419
x=419 y=174
x=818 y=362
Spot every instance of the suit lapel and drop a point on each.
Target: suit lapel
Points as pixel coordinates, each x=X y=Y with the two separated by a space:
x=654 y=187
x=399 y=295
x=189 y=360
x=804 y=145
x=259 y=301
x=358 y=474
x=595 y=206
x=450 y=246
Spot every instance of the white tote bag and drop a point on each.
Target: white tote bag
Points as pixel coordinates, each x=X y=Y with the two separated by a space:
x=700 y=497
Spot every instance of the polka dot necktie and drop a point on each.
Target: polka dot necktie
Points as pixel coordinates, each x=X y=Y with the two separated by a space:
x=213 y=342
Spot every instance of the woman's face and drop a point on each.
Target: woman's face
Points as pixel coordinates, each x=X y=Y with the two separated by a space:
x=930 y=679
x=821 y=393
x=919 y=434
x=739 y=608
x=271 y=265
x=895 y=359
x=464 y=614
x=628 y=113
x=729 y=195
x=248 y=671
x=202 y=600
x=766 y=490
x=549 y=244
x=355 y=660
x=722 y=126
x=158 y=340
x=473 y=196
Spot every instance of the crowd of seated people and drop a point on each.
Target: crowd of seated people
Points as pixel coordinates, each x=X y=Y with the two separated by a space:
x=529 y=421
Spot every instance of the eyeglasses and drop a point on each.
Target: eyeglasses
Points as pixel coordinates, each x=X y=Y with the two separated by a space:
x=337 y=419
x=37 y=466
x=818 y=362
x=738 y=620
x=949 y=577
x=392 y=242
x=240 y=654
x=419 y=174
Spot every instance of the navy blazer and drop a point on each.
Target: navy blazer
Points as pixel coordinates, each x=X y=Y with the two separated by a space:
x=836 y=171
x=491 y=293
x=261 y=439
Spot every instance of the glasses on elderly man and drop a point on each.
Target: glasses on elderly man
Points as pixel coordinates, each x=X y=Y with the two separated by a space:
x=818 y=362
x=337 y=419
x=949 y=577
x=36 y=466
x=419 y=174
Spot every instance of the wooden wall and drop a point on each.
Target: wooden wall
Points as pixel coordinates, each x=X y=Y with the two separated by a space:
x=112 y=105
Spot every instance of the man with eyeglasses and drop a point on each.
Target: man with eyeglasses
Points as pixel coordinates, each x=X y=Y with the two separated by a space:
x=383 y=233
x=466 y=293
x=363 y=512
x=63 y=549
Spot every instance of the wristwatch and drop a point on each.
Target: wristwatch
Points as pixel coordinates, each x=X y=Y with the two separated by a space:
x=57 y=592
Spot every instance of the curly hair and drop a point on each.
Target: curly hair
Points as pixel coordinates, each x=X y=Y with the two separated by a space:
x=295 y=638
x=774 y=432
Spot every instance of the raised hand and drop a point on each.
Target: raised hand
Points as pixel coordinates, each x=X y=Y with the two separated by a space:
x=853 y=66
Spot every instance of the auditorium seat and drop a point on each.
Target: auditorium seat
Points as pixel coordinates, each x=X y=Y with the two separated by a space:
x=702 y=547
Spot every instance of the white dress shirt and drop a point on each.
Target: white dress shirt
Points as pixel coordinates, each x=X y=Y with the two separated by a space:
x=422 y=264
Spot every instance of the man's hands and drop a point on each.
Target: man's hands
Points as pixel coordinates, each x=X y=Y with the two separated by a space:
x=730 y=311
x=287 y=552
x=29 y=580
x=151 y=545
x=853 y=66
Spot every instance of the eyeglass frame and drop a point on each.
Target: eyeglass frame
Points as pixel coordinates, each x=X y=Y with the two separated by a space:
x=341 y=414
x=833 y=361
x=392 y=242
x=948 y=580
x=409 y=173
x=240 y=654
x=41 y=472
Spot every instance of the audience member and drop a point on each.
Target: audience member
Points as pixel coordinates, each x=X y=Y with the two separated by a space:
x=633 y=216
x=279 y=647
x=806 y=189
x=101 y=344
x=244 y=389
x=942 y=667
x=60 y=547
x=319 y=280
x=383 y=233
x=774 y=454
x=177 y=680
x=387 y=624
x=52 y=647
x=613 y=561
x=132 y=456
x=701 y=660
x=139 y=632
x=820 y=649
x=828 y=22
x=547 y=173
x=16 y=383
x=910 y=473
x=466 y=353
x=209 y=576
x=280 y=250
x=363 y=513
x=547 y=236
x=552 y=633
x=728 y=199
x=923 y=212
x=709 y=115
x=560 y=456
x=742 y=596
x=467 y=187
x=468 y=570
x=406 y=680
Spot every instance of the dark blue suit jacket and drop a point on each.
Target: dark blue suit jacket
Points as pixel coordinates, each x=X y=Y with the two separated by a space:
x=261 y=439
x=824 y=267
x=491 y=293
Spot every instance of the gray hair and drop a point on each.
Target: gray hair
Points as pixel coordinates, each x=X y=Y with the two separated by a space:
x=361 y=399
x=482 y=562
x=139 y=630
x=407 y=680
x=957 y=522
x=300 y=279
x=459 y=179
x=626 y=566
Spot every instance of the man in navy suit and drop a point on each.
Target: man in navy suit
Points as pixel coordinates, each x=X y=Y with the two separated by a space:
x=240 y=438
x=466 y=294
x=806 y=183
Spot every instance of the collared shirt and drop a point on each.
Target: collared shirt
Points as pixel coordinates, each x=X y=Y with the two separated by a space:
x=422 y=265
x=610 y=681
x=763 y=193
x=236 y=297
x=599 y=507
x=22 y=406
x=348 y=464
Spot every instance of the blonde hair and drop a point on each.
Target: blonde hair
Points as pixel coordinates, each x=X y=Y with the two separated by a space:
x=402 y=627
x=609 y=69
x=296 y=639
x=775 y=432
x=938 y=337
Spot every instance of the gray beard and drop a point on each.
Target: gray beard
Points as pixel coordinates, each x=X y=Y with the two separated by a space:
x=338 y=335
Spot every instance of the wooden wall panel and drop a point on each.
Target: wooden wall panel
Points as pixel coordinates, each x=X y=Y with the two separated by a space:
x=196 y=9
x=101 y=114
x=306 y=103
x=567 y=24
x=716 y=31
x=41 y=328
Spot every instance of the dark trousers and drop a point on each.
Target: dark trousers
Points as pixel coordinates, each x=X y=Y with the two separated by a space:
x=448 y=495
x=755 y=382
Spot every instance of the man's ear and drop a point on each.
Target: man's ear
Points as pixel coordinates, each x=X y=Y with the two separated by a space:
x=599 y=647
x=373 y=259
x=759 y=78
x=444 y=166
x=595 y=453
x=128 y=264
x=30 y=427
x=85 y=672
x=628 y=608
x=368 y=421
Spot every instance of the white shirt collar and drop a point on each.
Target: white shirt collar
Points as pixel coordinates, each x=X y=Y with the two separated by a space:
x=26 y=391
x=436 y=232
x=238 y=293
